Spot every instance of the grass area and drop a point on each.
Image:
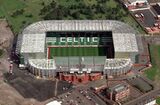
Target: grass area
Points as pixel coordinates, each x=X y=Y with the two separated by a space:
x=77 y=51
x=131 y=21
x=1 y=52
x=154 y=72
x=158 y=101
x=30 y=7
x=151 y=73
x=32 y=10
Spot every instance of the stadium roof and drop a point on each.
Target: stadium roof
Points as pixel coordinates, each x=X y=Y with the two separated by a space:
x=125 y=42
x=117 y=63
x=33 y=43
x=47 y=64
x=78 y=25
x=33 y=36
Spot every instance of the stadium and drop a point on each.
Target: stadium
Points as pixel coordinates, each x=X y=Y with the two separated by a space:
x=77 y=50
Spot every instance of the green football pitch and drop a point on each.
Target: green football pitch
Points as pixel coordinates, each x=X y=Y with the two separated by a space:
x=77 y=51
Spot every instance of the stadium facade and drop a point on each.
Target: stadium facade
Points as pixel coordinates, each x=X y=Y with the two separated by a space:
x=77 y=50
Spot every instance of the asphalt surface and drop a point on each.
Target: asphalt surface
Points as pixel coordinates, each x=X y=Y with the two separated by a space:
x=148 y=20
x=81 y=95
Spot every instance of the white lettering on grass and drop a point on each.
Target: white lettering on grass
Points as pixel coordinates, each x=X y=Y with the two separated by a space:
x=88 y=39
x=95 y=39
x=75 y=39
x=69 y=39
x=62 y=39
x=80 y=39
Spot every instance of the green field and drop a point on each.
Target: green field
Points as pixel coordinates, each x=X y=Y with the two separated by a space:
x=1 y=52
x=74 y=41
x=158 y=101
x=29 y=11
x=77 y=51
x=154 y=72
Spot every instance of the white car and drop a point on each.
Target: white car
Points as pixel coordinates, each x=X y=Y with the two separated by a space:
x=137 y=16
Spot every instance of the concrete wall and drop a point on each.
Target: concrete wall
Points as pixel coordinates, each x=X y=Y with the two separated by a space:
x=122 y=55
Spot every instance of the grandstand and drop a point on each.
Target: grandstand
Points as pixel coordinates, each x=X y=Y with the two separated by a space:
x=77 y=46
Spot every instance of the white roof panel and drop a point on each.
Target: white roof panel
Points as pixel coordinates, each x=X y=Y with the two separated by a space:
x=48 y=64
x=117 y=63
x=33 y=43
x=79 y=25
x=125 y=42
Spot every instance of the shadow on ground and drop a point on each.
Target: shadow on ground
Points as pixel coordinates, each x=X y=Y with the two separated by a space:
x=30 y=87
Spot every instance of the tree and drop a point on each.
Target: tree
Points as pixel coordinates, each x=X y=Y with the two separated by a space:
x=42 y=3
x=17 y=12
x=53 y=4
x=29 y=15
x=23 y=22
x=75 y=15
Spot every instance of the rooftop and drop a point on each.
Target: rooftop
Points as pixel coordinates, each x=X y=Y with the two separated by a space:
x=125 y=42
x=118 y=88
x=117 y=63
x=33 y=43
x=157 y=8
x=131 y=1
x=47 y=64
x=33 y=36
x=78 y=25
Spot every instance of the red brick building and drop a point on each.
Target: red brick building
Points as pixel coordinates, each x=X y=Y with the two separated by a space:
x=79 y=78
x=118 y=92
